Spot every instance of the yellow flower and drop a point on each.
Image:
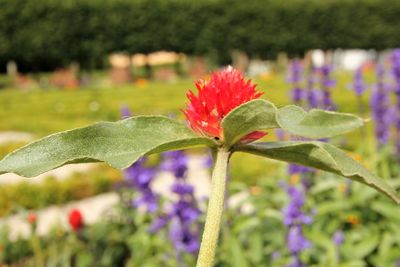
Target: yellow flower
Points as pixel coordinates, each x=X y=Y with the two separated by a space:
x=343 y=187
x=255 y=190
x=294 y=179
x=353 y=219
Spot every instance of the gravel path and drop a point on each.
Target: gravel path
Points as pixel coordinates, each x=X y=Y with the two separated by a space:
x=15 y=137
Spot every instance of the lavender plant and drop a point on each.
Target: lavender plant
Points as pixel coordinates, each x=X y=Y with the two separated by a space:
x=182 y=218
x=294 y=218
x=313 y=96
x=227 y=116
x=295 y=76
x=359 y=88
x=140 y=177
x=327 y=82
x=380 y=107
x=396 y=75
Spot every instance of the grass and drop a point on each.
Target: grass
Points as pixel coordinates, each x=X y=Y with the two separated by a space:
x=46 y=111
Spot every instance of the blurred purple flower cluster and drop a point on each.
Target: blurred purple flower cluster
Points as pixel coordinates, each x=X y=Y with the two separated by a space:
x=327 y=82
x=338 y=237
x=294 y=218
x=181 y=218
x=359 y=86
x=380 y=107
x=313 y=94
x=396 y=75
x=183 y=214
x=140 y=176
x=295 y=76
x=309 y=94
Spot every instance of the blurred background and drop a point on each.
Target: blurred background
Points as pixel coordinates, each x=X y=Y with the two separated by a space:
x=66 y=64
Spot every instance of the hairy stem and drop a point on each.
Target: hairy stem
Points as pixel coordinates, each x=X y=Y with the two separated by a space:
x=214 y=211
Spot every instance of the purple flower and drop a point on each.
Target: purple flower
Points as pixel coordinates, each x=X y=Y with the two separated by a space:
x=338 y=237
x=125 y=112
x=396 y=75
x=358 y=85
x=313 y=98
x=296 y=240
x=380 y=107
x=140 y=177
x=175 y=162
x=294 y=219
x=293 y=213
x=298 y=169
x=183 y=214
x=297 y=94
x=295 y=76
x=327 y=83
x=396 y=68
x=280 y=134
x=182 y=239
x=313 y=94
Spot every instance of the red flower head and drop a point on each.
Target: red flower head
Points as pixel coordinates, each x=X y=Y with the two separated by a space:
x=31 y=218
x=225 y=91
x=75 y=219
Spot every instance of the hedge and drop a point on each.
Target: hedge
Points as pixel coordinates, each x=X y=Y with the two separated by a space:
x=44 y=34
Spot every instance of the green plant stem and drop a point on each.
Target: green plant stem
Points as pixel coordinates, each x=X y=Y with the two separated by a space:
x=214 y=212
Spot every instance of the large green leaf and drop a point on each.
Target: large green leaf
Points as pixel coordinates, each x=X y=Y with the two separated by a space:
x=117 y=143
x=254 y=115
x=316 y=123
x=322 y=156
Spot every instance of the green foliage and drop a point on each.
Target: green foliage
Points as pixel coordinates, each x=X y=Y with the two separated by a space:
x=321 y=156
x=39 y=34
x=316 y=123
x=121 y=143
x=254 y=115
x=251 y=238
x=118 y=143
x=14 y=197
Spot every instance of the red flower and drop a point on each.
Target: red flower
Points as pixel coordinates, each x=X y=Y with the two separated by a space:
x=31 y=218
x=75 y=219
x=225 y=91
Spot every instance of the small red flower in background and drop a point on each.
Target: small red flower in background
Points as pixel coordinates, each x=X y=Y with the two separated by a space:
x=75 y=219
x=31 y=218
x=225 y=91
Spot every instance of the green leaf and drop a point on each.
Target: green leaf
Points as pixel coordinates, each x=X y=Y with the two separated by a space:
x=322 y=156
x=252 y=116
x=316 y=123
x=118 y=143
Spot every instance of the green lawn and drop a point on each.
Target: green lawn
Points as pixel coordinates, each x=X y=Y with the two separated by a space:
x=45 y=111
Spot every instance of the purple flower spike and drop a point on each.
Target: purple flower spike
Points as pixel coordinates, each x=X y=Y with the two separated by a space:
x=295 y=77
x=125 y=112
x=294 y=219
x=140 y=177
x=380 y=107
x=293 y=213
x=327 y=83
x=296 y=241
x=338 y=237
x=175 y=162
x=396 y=75
x=295 y=72
x=183 y=214
x=359 y=85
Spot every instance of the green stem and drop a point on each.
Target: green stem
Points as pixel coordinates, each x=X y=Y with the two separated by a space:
x=214 y=211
